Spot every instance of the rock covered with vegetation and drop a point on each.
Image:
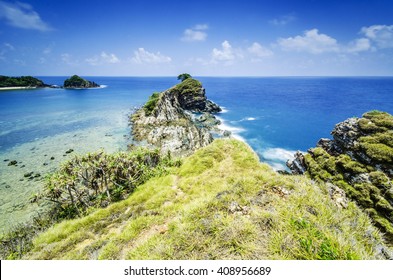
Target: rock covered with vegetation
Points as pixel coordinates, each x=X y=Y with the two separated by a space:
x=77 y=82
x=191 y=96
x=358 y=160
x=24 y=81
x=220 y=203
x=166 y=121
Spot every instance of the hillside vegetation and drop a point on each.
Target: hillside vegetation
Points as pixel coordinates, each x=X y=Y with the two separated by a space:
x=221 y=203
x=360 y=161
x=24 y=81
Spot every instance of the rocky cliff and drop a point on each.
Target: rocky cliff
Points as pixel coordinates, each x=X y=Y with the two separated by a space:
x=358 y=160
x=166 y=120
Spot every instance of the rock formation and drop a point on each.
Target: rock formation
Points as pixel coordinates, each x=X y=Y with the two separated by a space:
x=358 y=160
x=166 y=120
x=78 y=82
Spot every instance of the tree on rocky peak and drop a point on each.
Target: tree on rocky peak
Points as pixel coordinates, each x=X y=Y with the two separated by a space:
x=184 y=76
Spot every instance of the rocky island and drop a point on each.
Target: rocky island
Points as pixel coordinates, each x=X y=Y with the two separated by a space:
x=75 y=82
x=359 y=162
x=167 y=121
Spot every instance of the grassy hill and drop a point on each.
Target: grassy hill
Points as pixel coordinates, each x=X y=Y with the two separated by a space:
x=221 y=203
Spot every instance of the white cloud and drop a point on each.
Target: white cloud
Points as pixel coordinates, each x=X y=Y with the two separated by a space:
x=259 y=51
x=103 y=58
x=23 y=16
x=225 y=54
x=359 y=45
x=195 y=34
x=283 y=20
x=312 y=41
x=109 y=58
x=142 y=56
x=382 y=35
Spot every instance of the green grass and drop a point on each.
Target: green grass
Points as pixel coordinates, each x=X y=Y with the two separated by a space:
x=222 y=203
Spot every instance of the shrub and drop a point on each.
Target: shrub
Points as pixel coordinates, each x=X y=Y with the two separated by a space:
x=97 y=179
x=150 y=105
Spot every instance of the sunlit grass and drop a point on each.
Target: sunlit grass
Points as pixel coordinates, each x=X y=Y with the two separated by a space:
x=222 y=203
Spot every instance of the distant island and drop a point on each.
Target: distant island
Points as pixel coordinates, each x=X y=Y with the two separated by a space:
x=77 y=82
x=26 y=82
x=20 y=82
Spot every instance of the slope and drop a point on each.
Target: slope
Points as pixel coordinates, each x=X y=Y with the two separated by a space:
x=221 y=203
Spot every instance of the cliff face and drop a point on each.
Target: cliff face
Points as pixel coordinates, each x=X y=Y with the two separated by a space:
x=165 y=120
x=359 y=160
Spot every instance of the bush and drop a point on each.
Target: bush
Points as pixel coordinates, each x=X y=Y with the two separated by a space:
x=150 y=105
x=97 y=179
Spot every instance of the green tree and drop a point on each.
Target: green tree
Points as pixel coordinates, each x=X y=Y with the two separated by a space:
x=184 y=76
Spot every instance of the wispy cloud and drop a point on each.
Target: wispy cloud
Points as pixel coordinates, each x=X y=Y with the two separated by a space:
x=381 y=35
x=103 y=58
x=68 y=59
x=142 y=56
x=259 y=51
x=22 y=15
x=9 y=46
x=195 y=34
x=4 y=49
x=282 y=20
x=359 y=45
x=312 y=41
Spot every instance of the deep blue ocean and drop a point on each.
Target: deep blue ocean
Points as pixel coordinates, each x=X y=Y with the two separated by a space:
x=275 y=116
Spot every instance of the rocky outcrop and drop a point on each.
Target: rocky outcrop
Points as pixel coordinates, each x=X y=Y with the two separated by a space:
x=359 y=161
x=191 y=96
x=166 y=120
x=78 y=82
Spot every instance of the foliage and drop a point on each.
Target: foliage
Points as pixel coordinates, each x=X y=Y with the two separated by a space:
x=150 y=105
x=184 y=77
x=24 y=81
x=233 y=207
x=97 y=179
x=18 y=241
x=77 y=82
x=361 y=175
x=189 y=86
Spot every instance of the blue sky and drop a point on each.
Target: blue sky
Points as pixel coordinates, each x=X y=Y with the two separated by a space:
x=203 y=38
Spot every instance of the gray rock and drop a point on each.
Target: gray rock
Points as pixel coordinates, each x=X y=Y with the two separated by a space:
x=297 y=164
x=337 y=195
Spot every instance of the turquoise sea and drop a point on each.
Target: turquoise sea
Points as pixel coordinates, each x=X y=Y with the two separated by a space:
x=275 y=116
